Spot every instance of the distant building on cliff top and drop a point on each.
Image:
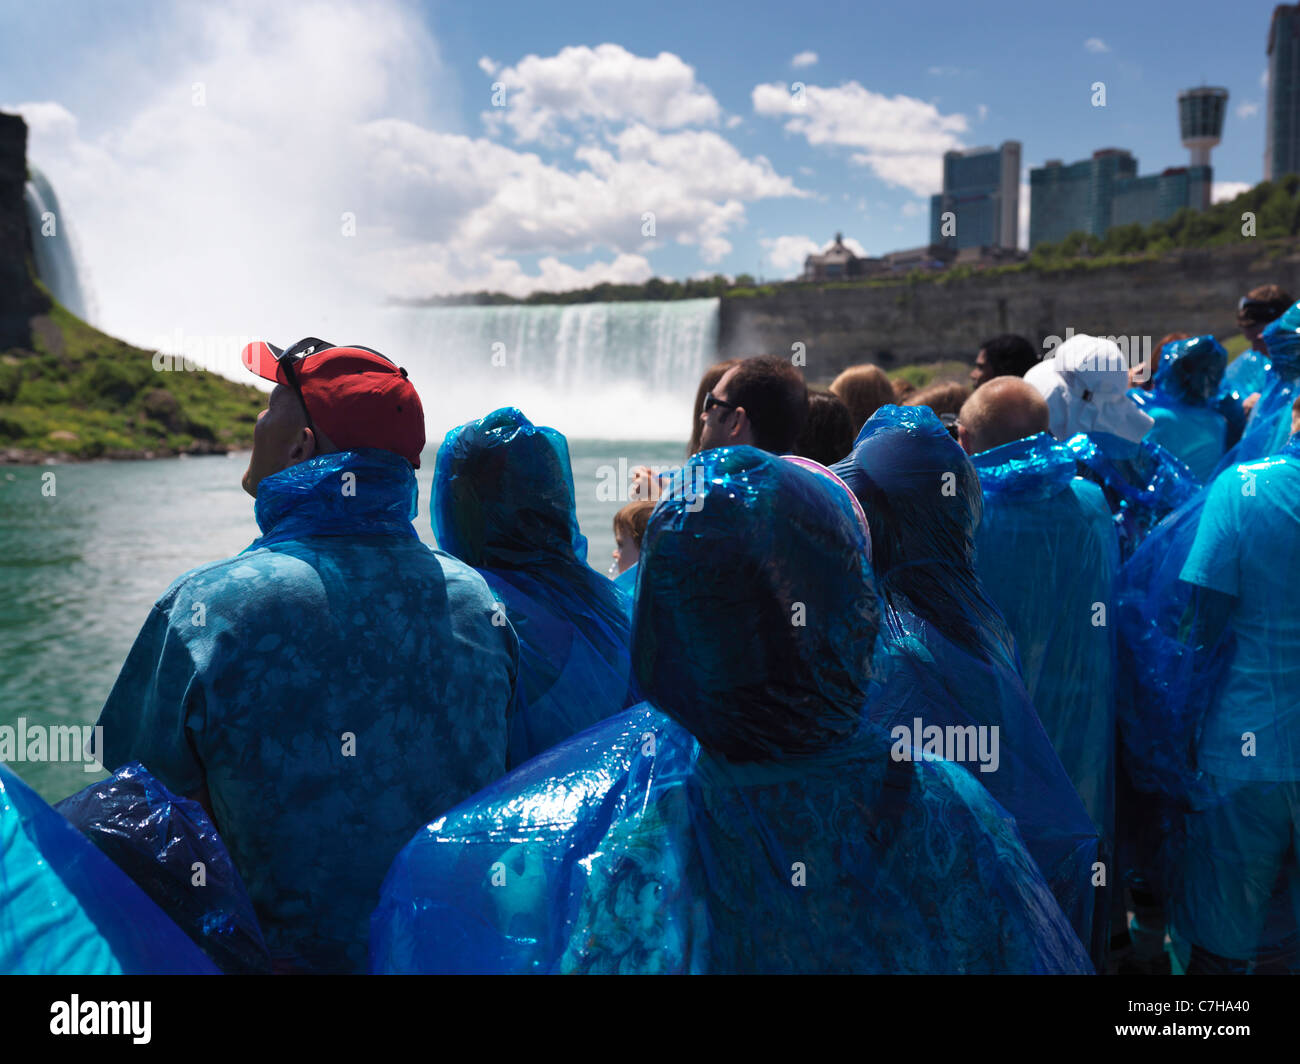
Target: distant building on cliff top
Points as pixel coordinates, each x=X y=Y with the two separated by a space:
x=1282 y=121
x=837 y=263
x=1094 y=194
x=1064 y=199
x=980 y=202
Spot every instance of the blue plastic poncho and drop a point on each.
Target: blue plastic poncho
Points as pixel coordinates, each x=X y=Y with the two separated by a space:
x=503 y=502
x=1247 y=373
x=1186 y=379
x=1143 y=483
x=748 y=819
x=171 y=850
x=334 y=686
x=1047 y=553
x=1210 y=664
x=947 y=657
x=1269 y=426
x=66 y=909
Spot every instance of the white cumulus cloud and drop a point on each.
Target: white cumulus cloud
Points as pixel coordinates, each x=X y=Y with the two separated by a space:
x=1247 y=109
x=1096 y=45
x=235 y=217
x=605 y=84
x=900 y=138
x=804 y=59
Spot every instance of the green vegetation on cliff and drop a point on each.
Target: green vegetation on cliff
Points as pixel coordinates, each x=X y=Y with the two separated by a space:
x=1273 y=207
x=82 y=394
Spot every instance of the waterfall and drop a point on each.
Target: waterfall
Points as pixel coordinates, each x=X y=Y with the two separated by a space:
x=592 y=370
x=56 y=258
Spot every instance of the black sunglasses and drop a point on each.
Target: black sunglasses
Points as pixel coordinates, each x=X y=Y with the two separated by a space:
x=711 y=400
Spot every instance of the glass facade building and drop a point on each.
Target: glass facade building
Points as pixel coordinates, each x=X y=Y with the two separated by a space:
x=1063 y=199
x=1159 y=196
x=1282 y=123
x=981 y=189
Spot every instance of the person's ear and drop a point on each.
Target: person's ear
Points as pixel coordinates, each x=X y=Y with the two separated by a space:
x=963 y=437
x=742 y=419
x=304 y=447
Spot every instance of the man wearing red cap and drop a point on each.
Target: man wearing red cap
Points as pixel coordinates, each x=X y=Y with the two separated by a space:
x=336 y=685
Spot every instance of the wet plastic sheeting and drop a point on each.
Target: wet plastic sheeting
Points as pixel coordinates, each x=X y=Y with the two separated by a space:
x=1210 y=666
x=1046 y=551
x=162 y=842
x=747 y=819
x=948 y=659
x=1269 y=426
x=1143 y=483
x=66 y=909
x=1187 y=379
x=503 y=501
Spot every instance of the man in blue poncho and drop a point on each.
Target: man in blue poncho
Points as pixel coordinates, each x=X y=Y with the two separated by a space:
x=1085 y=384
x=1241 y=832
x=1270 y=421
x=327 y=690
x=503 y=502
x=747 y=819
x=1248 y=372
x=1187 y=377
x=1046 y=551
x=948 y=659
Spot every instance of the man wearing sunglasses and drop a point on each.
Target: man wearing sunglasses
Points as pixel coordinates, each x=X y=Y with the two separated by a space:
x=761 y=402
x=1248 y=372
x=338 y=684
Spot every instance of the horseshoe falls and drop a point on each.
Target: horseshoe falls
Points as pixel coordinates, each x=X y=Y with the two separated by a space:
x=607 y=371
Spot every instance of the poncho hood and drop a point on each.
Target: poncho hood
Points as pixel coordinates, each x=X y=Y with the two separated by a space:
x=503 y=494
x=345 y=493
x=755 y=614
x=1036 y=467
x=1282 y=338
x=1190 y=371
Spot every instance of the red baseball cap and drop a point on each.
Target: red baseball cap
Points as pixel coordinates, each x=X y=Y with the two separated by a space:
x=355 y=396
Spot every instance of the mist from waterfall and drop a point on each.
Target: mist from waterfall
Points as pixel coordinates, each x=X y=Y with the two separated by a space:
x=53 y=247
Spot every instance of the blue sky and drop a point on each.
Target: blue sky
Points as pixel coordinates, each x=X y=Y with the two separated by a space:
x=196 y=150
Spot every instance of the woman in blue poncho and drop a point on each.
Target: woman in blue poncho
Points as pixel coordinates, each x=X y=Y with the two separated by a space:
x=747 y=818
x=503 y=502
x=1186 y=379
x=947 y=658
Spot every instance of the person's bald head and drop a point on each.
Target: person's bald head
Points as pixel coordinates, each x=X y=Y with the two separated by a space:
x=1002 y=411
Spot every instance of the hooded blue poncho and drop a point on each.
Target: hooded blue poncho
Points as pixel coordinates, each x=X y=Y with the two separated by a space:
x=66 y=909
x=503 y=502
x=748 y=818
x=334 y=685
x=1209 y=721
x=1269 y=426
x=1187 y=378
x=1047 y=553
x=947 y=657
